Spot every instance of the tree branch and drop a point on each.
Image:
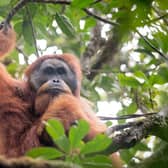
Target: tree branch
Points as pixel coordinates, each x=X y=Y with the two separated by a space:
x=105 y=56
x=24 y=55
x=95 y=43
x=133 y=132
x=100 y=18
x=15 y=9
x=123 y=117
x=22 y=3
x=152 y=46
x=25 y=162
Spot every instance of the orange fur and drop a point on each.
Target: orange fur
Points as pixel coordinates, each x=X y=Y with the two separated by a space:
x=19 y=125
x=7 y=41
x=70 y=59
x=66 y=108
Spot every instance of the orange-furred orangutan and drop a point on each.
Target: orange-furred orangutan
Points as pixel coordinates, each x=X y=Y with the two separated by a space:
x=20 y=120
x=55 y=100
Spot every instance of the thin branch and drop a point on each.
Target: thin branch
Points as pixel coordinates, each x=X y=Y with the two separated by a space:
x=152 y=46
x=100 y=18
x=150 y=99
x=22 y=3
x=24 y=55
x=95 y=2
x=33 y=30
x=26 y=162
x=65 y=2
x=157 y=19
x=15 y=9
x=158 y=13
x=126 y=116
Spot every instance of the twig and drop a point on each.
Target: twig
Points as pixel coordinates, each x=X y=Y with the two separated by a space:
x=33 y=30
x=152 y=46
x=95 y=2
x=150 y=98
x=100 y=18
x=15 y=9
x=26 y=162
x=126 y=116
x=158 y=18
x=158 y=13
x=24 y=55
x=65 y=2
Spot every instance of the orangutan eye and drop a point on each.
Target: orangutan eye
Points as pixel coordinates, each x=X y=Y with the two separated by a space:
x=61 y=70
x=49 y=70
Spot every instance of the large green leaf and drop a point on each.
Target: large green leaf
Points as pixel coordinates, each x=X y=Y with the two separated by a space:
x=65 y=25
x=55 y=128
x=27 y=31
x=44 y=153
x=76 y=134
x=56 y=131
x=100 y=143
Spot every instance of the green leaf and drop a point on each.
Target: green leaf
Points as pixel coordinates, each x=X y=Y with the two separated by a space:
x=163 y=72
x=98 y=161
x=161 y=40
x=131 y=109
x=76 y=134
x=18 y=28
x=89 y=22
x=81 y=4
x=99 y=143
x=63 y=144
x=44 y=153
x=127 y=155
x=128 y=81
x=27 y=32
x=157 y=79
x=65 y=25
x=55 y=128
x=56 y=131
x=162 y=4
x=5 y=2
x=140 y=74
x=142 y=147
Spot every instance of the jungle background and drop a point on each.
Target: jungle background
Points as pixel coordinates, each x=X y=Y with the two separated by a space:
x=123 y=48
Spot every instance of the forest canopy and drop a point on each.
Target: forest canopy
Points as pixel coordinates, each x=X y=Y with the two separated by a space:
x=123 y=49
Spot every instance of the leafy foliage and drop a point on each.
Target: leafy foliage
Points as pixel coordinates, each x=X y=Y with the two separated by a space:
x=78 y=150
x=135 y=72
